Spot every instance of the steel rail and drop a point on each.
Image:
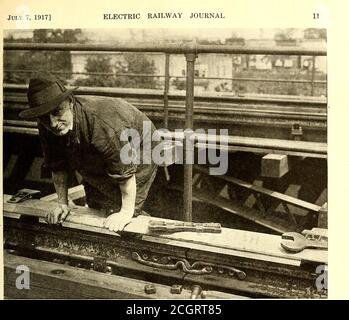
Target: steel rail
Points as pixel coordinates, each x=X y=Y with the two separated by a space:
x=109 y=74
x=177 y=94
x=147 y=75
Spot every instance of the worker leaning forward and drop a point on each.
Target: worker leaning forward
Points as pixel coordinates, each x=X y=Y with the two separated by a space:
x=87 y=134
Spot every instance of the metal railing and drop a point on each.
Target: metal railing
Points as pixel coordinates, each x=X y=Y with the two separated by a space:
x=182 y=48
x=168 y=48
x=190 y=51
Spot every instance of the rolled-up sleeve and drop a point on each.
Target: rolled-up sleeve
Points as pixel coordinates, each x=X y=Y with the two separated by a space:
x=107 y=141
x=53 y=149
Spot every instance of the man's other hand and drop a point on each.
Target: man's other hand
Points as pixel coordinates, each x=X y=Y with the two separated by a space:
x=58 y=215
x=117 y=221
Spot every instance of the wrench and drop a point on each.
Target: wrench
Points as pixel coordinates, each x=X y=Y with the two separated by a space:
x=296 y=242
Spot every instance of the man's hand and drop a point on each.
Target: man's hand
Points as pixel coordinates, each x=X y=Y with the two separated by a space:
x=58 y=215
x=117 y=221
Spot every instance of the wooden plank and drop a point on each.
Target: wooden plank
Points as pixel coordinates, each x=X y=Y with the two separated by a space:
x=274 y=194
x=247 y=287
x=81 y=218
x=225 y=251
x=274 y=165
x=74 y=193
x=86 y=219
x=242 y=211
x=52 y=280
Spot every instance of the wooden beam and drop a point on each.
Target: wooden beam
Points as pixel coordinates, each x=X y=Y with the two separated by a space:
x=50 y=280
x=86 y=219
x=242 y=211
x=274 y=165
x=276 y=195
x=74 y=193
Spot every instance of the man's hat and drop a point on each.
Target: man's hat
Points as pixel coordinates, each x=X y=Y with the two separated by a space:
x=44 y=95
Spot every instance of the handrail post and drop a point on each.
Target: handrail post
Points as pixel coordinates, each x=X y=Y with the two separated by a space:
x=232 y=73
x=188 y=142
x=166 y=88
x=313 y=76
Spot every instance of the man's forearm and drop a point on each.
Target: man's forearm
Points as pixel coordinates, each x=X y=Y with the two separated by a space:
x=60 y=180
x=128 y=192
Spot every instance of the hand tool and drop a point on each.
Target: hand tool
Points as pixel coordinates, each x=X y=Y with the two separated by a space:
x=316 y=233
x=296 y=242
x=165 y=226
x=24 y=194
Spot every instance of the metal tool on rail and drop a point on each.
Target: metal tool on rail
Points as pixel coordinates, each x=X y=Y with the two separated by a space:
x=169 y=227
x=24 y=194
x=309 y=239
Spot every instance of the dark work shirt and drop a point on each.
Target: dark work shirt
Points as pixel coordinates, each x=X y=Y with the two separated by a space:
x=93 y=146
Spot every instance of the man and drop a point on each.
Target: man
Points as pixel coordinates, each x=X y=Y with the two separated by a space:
x=85 y=134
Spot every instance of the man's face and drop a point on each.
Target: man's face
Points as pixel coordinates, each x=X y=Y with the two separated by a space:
x=59 y=120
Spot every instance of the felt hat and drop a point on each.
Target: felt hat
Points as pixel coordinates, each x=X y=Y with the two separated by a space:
x=44 y=95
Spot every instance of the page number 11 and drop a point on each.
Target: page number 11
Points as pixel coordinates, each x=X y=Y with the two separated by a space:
x=316 y=16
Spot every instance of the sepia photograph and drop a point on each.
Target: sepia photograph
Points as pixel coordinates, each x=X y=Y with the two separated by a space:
x=165 y=163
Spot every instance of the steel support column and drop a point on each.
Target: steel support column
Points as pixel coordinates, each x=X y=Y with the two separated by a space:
x=166 y=89
x=313 y=76
x=188 y=145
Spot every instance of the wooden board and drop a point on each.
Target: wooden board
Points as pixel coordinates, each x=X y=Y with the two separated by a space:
x=274 y=194
x=263 y=245
x=274 y=165
x=242 y=211
x=56 y=281
x=74 y=193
